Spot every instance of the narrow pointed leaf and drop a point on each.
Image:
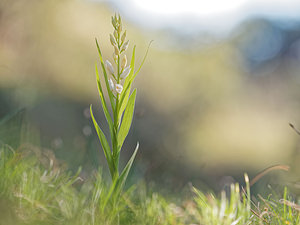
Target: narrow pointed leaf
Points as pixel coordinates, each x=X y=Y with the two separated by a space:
x=125 y=172
x=132 y=65
x=103 y=102
x=110 y=94
x=127 y=119
x=127 y=86
x=124 y=100
x=104 y=143
x=130 y=79
x=145 y=56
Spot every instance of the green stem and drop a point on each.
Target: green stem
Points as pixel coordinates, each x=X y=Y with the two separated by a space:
x=116 y=120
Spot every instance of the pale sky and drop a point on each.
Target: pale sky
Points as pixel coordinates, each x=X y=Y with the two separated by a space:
x=213 y=15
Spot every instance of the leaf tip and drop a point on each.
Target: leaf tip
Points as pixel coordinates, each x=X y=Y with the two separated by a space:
x=91 y=109
x=137 y=146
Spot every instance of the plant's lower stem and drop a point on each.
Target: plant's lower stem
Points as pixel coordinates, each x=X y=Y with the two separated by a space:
x=115 y=145
x=116 y=122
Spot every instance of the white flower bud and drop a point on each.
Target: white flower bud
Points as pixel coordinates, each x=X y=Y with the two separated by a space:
x=119 y=88
x=116 y=34
x=117 y=52
x=112 y=40
x=111 y=84
x=123 y=36
x=125 y=73
x=119 y=19
x=109 y=67
x=124 y=62
x=120 y=27
x=115 y=57
x=125 y=46
x=113 y=21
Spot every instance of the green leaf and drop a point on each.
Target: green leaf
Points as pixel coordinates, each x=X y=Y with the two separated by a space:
x=127 y=120
x=127 y=86
x=104 y=143
x=130 y=78
x=145 y=56
x=103 y=102
x=132 y=65
x=110 y=94
x=124 y=100
x=123 y=177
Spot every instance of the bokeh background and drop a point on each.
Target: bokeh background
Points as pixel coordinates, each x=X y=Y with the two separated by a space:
x=215 y=97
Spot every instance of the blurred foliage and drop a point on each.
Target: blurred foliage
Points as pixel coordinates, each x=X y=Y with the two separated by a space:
x=209 y=109
x=36 y=189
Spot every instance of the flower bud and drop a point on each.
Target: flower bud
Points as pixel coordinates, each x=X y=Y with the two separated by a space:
x=119 y=19
x=115 y=18
x=123 y=37
x=124 y=62
x=109 y=67
x=111 y=84
x=125 y=46
x=115 y=57
x=125 y=73
x=116 y=34
x=119 y=88
x=113 y=21
x=117 y=52
x=112 y=40
x=120 y=25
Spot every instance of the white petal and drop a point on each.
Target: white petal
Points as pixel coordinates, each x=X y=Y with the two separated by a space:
x=125 y=46
x=119 y=88
x=125 y=73
x=109 y=66
x=111 y=84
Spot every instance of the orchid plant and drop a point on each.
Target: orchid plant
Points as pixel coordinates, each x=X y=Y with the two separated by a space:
x=118 y=78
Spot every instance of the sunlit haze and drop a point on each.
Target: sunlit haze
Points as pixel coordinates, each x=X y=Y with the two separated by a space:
x=193 y=15
x=189 y=6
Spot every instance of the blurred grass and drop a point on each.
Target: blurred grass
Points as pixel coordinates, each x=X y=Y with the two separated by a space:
x=35 y=189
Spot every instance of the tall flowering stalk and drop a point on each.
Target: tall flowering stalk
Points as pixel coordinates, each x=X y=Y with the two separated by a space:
x=118 y=77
